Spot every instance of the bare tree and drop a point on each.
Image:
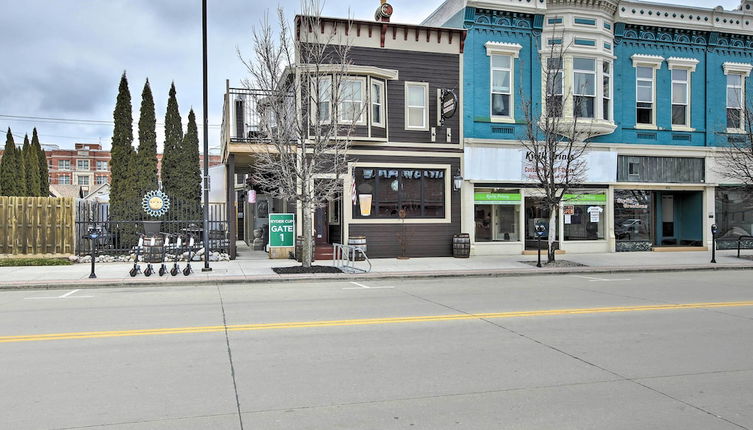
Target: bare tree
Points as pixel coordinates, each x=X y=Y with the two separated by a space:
x=307 y=110
x=735 y=160
x=556 y=143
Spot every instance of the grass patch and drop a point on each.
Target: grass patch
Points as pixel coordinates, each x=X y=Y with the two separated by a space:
x=15 y=262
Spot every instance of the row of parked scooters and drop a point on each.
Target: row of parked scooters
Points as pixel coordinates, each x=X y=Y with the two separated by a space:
x=153 y=250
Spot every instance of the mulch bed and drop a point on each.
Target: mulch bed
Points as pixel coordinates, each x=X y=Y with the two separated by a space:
x=556 y=263
x=300 y=270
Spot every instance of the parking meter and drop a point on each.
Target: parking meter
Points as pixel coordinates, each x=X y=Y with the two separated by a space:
x=540 y=230
x=94 y=233
x=714 y=231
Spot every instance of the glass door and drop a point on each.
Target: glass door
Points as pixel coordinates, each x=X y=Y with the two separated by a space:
x=536 y=212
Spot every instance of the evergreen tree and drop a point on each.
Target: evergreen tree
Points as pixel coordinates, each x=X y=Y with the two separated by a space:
x=44 y=172
x=171 y=158
x=122 y=187
x=8 y=168
x=31 y=160
x=190 y=170
x=147 y=154
x=22 y=189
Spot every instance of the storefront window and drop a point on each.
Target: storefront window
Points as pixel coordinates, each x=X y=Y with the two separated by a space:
x=497 y=215
x=585 y=215
x=383 y=192
x=734 y=212
x=632 y=215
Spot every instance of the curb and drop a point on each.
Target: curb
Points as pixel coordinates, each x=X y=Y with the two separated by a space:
x=234 y=280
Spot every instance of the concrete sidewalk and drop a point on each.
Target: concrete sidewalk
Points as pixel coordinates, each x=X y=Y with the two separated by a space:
x=256 y=268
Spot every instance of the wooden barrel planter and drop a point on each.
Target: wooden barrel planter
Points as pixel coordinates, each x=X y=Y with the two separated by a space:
x=299 y=249
x=360 y=243
x=461 y=245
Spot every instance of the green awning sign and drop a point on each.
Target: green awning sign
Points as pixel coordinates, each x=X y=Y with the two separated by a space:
x=585 y=199
x=497 y=198
x=281 y=230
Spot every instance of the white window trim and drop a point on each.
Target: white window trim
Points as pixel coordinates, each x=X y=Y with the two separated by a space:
x=364 y=97
x=315 y=105
x=596 y=91
x=686 y=126
x=425 y=127
x=654 y=62
x=513 y=51
x=737 y=68
x=382 y=105
x=742 y=102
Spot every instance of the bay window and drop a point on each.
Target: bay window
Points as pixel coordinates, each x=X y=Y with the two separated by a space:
x=501 y=93
x=377 y=103
x=554 y=87
x=606 y=92
x=382 y=192
x=350 y=106
x=322 y=90
x=584 y=87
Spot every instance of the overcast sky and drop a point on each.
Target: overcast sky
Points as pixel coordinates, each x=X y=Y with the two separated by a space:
x=64 y=58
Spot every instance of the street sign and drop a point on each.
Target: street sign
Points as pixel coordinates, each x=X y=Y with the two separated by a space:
x=281 y=230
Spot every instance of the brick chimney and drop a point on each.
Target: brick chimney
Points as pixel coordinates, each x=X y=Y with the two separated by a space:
x=384 y=12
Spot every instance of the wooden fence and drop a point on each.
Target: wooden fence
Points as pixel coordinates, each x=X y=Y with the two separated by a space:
x=37 y=225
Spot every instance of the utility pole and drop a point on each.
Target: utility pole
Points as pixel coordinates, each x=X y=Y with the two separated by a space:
x=205 y=238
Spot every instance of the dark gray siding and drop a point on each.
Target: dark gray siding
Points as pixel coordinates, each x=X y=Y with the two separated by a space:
x=441 y=71
x=661 y=169
x=425 y=240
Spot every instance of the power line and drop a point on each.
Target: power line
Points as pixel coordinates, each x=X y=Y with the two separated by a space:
x=74 y=121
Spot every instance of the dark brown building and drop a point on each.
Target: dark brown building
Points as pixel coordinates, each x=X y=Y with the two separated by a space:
x=404 y=153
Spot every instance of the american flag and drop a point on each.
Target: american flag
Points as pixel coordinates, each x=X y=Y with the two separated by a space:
x=353 y=190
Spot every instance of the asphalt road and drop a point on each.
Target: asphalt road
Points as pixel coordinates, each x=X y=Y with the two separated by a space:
x=627 y=351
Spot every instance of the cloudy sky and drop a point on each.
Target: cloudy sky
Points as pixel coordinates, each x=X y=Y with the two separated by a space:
x=62 y=59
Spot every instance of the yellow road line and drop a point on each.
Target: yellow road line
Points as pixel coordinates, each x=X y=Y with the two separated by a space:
x=365 y=321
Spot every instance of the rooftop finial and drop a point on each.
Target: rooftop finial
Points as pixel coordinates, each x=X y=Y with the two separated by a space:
x=384 y=12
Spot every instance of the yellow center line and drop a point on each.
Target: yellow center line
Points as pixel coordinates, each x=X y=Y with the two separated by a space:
x=365 y=321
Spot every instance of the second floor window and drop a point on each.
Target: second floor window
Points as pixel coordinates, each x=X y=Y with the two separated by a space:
x=606 y=81
x=322 y=90
x=735 y=91
x=416 y=106
x=101 y=180
x=83 y=180
x=644 y=83
x=64 y=179
x=64 y=165
x=501 y=78
x=351 y=101
x=680 y=97
x=584 y=87
x=554 y=87
x=377 y=103
x=102 y=166
x=82 y=164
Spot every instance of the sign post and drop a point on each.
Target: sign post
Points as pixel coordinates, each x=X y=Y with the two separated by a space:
x=281 y=234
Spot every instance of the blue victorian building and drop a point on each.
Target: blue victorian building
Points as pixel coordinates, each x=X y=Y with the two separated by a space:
x=660 y=88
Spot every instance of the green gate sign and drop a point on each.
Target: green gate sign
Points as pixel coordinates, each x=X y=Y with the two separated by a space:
x=281 y=230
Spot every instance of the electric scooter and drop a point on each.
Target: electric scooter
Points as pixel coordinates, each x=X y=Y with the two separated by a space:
x=149 y=269
x=187 y=270
x=136 y=267
x=176 y=257
x=165 y=244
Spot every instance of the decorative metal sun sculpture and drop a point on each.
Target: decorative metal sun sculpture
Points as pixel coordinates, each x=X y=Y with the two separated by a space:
x=155 y=203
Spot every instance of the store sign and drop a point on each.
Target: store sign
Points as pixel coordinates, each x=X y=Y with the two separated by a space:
x=585 y=199
x=281 y=230
x=497 y=198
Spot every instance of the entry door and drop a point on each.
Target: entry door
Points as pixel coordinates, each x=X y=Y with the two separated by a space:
x=537 y=213
x=321 y=225
x=668 y=217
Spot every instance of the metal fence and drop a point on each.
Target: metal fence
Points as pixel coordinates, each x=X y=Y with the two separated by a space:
x=121 y=236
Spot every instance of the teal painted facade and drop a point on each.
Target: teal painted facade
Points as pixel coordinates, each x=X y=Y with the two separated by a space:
x=708 y=81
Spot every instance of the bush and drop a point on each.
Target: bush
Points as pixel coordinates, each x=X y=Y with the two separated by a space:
x=9 y=262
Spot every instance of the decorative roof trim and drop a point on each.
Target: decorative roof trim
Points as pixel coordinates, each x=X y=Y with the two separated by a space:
x=737 y=68
x=647 y=60
x=682 y=63
x=351 y=69
x=502 y=48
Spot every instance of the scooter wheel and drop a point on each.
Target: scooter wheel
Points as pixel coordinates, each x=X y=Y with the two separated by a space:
x=162 y=270
x=187 y=271
x=148 y=271
x=133 y=272
x=174 y=271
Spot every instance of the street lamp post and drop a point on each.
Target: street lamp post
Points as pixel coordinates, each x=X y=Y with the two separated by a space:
x=714 y=231
x=205 y=237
